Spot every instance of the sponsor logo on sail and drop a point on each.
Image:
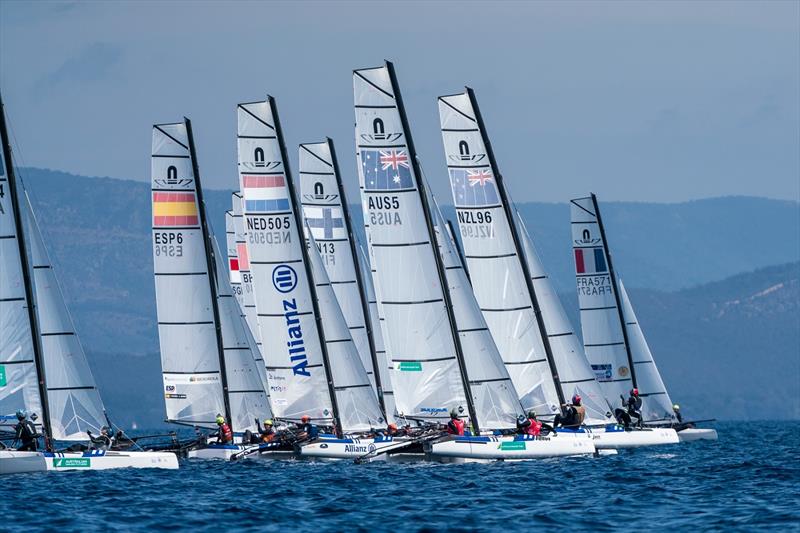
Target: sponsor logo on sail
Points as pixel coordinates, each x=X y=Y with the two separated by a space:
x=623 y=371
x=3 y=378
x=284 y=279
x=172 y=180
x=408 y=366
x=433 y=410
x=320 y=196
x=603 y=372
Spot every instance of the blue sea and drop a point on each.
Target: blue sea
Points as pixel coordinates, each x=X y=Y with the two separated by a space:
x=747 y=480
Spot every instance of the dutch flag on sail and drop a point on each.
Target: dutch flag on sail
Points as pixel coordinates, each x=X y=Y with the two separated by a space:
x=590 y=261
x=265 y=193
x=386 y=169
x=473 y=187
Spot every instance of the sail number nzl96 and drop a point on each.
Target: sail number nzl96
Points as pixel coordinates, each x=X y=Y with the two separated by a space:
x=168 y=243
x=269 y=229
x=476 y=224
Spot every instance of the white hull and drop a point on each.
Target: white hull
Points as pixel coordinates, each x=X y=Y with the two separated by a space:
x=512 y=448
x=616 y=438
x=349 y=448
x=250 y=451
x=13 y=462
x=693 y=434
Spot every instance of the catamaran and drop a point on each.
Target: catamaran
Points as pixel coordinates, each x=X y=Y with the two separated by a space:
x=314 y=367
x=613 y=339
x=43 y=368
x=444 y=357
x=211 y=366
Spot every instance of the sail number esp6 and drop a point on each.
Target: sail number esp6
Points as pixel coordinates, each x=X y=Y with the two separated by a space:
x=168 y=243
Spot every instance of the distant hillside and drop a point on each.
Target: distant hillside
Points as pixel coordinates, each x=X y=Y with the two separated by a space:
x=98 y=231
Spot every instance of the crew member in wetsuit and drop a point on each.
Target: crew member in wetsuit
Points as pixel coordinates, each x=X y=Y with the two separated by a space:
x=25 y=433
x=677 y=410
x=572 y=415
x=267 y=432
x=224 y=434
x=103 y=441
x=633 y=406
x=307 y=430
x=455 y=426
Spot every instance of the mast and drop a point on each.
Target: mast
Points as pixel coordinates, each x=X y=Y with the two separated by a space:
x=537 y=311
x=26 y=276
x=457 y=246
x=359 y=279
x=616 y=291
x=437 y=255
x=337 y=423
x=212 y=272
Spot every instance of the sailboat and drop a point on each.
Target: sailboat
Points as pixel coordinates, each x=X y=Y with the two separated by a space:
x=43 y=368
x=326 y=214
x=613 y=338
x=517 y=299
x=208 y=358
x=314 y=367
x=444 y=356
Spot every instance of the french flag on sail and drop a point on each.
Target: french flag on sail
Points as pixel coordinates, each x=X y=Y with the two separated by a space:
x=265 y=194
x=590 y=261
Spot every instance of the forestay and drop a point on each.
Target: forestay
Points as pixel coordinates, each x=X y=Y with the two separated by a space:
x=356 y=401
x=19 y=387
x=72 y=396
x=283 y=292
x=190 y=358
x=243 y=262
x=325 y=217
x=493 y=260
x=603 y=336
x=496 y=403
x=575 y=373
x=418 y=336
x=656 y=403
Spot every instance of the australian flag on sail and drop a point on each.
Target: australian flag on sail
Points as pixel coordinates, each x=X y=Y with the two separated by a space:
x=386 y=169
x=473 y=187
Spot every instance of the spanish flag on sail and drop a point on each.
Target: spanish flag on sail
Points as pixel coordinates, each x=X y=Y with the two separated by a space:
x=174 y=209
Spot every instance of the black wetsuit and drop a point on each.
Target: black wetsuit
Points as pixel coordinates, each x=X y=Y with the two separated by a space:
x=634 y=406
x=568 y=419
x=100 y=442
x=522 y=427
x=25 y=433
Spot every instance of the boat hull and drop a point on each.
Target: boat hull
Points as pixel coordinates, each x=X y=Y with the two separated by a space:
x=693 y=434
x=349 y=448
x=512 y=448
x=615 y=437
x=226 y=452
x=13 y=462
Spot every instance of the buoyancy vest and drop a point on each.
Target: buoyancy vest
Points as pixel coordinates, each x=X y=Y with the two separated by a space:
x=580 y=414
x=455 y=427
x=535 y=428
x=226 y=433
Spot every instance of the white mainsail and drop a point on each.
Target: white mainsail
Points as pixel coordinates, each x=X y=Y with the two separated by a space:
x=418 y=335
x=190 y=355
x=356 y=401
x=494 y=263
x=496 y=403
x=72 y=397
x=325 y=214
x=656 y=403
x=575 y=373
x=19 y=382
x=377 y=324
x=243 y=262
x=292 y=343
x=234 y=276
x=604 y=338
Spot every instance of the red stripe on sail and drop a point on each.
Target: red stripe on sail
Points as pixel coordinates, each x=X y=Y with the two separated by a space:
x=579 y=267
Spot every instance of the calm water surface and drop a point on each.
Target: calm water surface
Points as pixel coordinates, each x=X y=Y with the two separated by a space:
x=749 y=479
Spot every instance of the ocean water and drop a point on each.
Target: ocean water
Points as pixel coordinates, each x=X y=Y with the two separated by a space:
x=747 y=480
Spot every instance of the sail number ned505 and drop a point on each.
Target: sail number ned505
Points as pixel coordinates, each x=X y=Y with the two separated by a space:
x=269 y=229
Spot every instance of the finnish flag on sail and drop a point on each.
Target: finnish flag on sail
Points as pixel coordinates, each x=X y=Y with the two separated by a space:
x=386 y=169
x=473 y=187
x=325 y=222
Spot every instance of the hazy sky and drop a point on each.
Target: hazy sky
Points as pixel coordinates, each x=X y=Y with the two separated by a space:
x=634 y=101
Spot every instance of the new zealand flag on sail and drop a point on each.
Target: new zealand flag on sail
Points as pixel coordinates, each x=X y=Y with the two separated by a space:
x=473 y=187
x=386 y=169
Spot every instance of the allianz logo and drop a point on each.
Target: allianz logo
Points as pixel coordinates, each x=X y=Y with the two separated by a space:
x=284 y=279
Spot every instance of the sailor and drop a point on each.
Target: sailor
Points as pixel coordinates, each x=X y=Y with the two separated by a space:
x=677 y=410
x=455 y=426
x=307 y=430
x=572 y=415
x=266 y=433
x=634 y=406
x=103 y=441
x=224 y=433
x=25 y=433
